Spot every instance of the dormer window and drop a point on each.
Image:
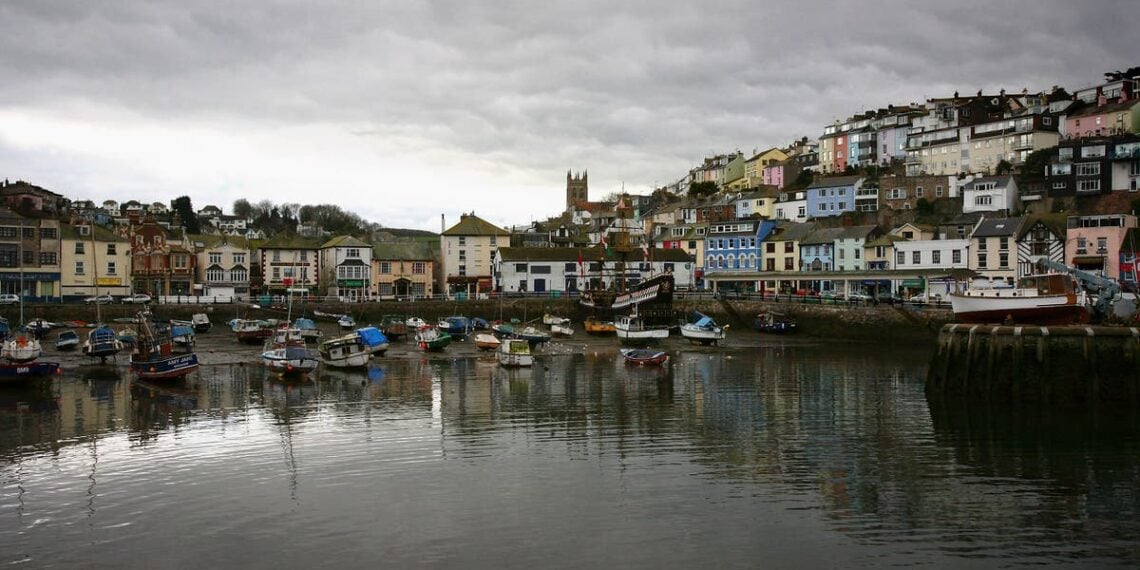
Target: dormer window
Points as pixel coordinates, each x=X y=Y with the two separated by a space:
x=83 y=230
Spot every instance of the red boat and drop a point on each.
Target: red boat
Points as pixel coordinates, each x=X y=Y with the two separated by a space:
x=645 y=356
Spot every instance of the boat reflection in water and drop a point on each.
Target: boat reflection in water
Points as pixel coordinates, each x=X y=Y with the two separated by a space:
x=836 y=449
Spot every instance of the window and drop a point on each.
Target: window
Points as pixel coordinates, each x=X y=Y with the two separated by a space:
x=916 y=257
x=789 y=264
x=79 y=248
x=1096 y=151
x=276 y=255
x=900 y=258
x=352 y=252
x=540 y=269
x=48 y=258
x=29 y=257
x=1003 y=243
x=1088 y=186
x=1003 y=260
x=982 y=243
x=49 y=233
x=570 y=267
x=462 y=240
x=983 y=200
x=982 y=261
x=1088 y=169
x=385 y=267
x=239 y=258
x=239 y=274
x=29 y=233
x=463 y=255
x=112 y=268
x=956 y=256
x=770 y=247
x=215 y=258
x=1101 y=245
x=520 y=268
x=111 y=249
x=304 y=256
x=7 y=232
x=79 y=268
x=936 y=257
x=215 y=274
x=419 y=268
x=276 y=273
x=937 y=191
x=918 y=191
x=180 y=262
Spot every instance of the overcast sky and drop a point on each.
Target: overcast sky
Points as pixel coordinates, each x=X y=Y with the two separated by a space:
x=402 y=111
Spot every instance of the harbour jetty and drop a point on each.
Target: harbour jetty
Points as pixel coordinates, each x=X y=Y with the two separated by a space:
x=1056 y=366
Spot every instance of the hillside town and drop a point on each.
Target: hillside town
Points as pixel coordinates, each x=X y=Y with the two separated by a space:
x=903 y=201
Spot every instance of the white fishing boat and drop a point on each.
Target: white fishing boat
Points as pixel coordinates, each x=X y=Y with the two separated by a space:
x=347 y=351
x=515 y=352
x=1046 y=299
x=346 y=322
x=633 y=327
x=487 y=341
x=21 y=348
x=704 y=330
x=200 y=322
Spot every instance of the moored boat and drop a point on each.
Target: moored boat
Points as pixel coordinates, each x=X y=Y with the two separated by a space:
x=393 y=326
x=533 y=336
x=154 y=357
x=634 y=328
x=200 y=322
x=769 y=322
x=348 y=351
x=251 y=331
x=13 y=371
x=346 y=322
x=1044 y=299
x=286 y=353
x=373 y=339
x=103 y=341
x=455 y=325
x=308 y=328
x=599 y=327
x=182 y=337
x=21 y=348
x=485 y=341
x=704 y=330
x=645 y=357
x=66 y=340
x=515 y=352
x=430 y=338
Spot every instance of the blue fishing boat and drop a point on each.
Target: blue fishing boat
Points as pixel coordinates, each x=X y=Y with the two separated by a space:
x=154 y=357
x=373 y=339
x=23 y=370
x=308 y=328
x=183 y=337
x=454 y=325
x=102 y=342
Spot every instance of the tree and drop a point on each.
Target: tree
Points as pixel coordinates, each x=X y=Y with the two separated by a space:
x=803 y=179
x=702 y=189
x=1003 y=167
x=242 y=208
x=924 y=207
x=185 y=210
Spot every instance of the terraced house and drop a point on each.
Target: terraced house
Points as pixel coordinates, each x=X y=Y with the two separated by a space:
x=346 y=265
x=93 y=261
x=223 y=266
x=403 y=269
x=29 y=256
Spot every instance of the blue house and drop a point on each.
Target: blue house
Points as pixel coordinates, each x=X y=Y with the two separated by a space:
x=832 y=196
x=732 y=249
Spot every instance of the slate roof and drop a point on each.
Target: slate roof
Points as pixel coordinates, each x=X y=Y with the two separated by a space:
x=68 y=231
x=344 y=241
x=835 y=181
x=571 y=254
x=822 y=236
x=998 y=227
x=857 y=232
x=472 y=225
x=404 y=251
x=291 y=241
x=1000 y=181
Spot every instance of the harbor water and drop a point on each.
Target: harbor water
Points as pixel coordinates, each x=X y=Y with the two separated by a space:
x=768 y=452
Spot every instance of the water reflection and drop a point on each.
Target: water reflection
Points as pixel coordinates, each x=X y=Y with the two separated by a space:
x=839 y=444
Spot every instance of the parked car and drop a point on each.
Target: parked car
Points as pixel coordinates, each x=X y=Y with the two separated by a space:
x=141 y=298
x=99 y=300
x=922 y=299
x=860 y=298
x=9 y=299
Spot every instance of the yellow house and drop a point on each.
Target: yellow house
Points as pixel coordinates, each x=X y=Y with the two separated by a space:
x=403 y=269
x=754 y=167
x=93 y=260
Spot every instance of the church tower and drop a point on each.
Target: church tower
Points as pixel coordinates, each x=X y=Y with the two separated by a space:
x=577 y=190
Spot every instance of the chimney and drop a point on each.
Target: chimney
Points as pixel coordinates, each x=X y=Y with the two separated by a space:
x=442 y=223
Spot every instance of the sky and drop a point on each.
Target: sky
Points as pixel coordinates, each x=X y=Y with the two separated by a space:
x=403 y=111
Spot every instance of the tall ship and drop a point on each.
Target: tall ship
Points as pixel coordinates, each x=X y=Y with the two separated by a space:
x=621 y=286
